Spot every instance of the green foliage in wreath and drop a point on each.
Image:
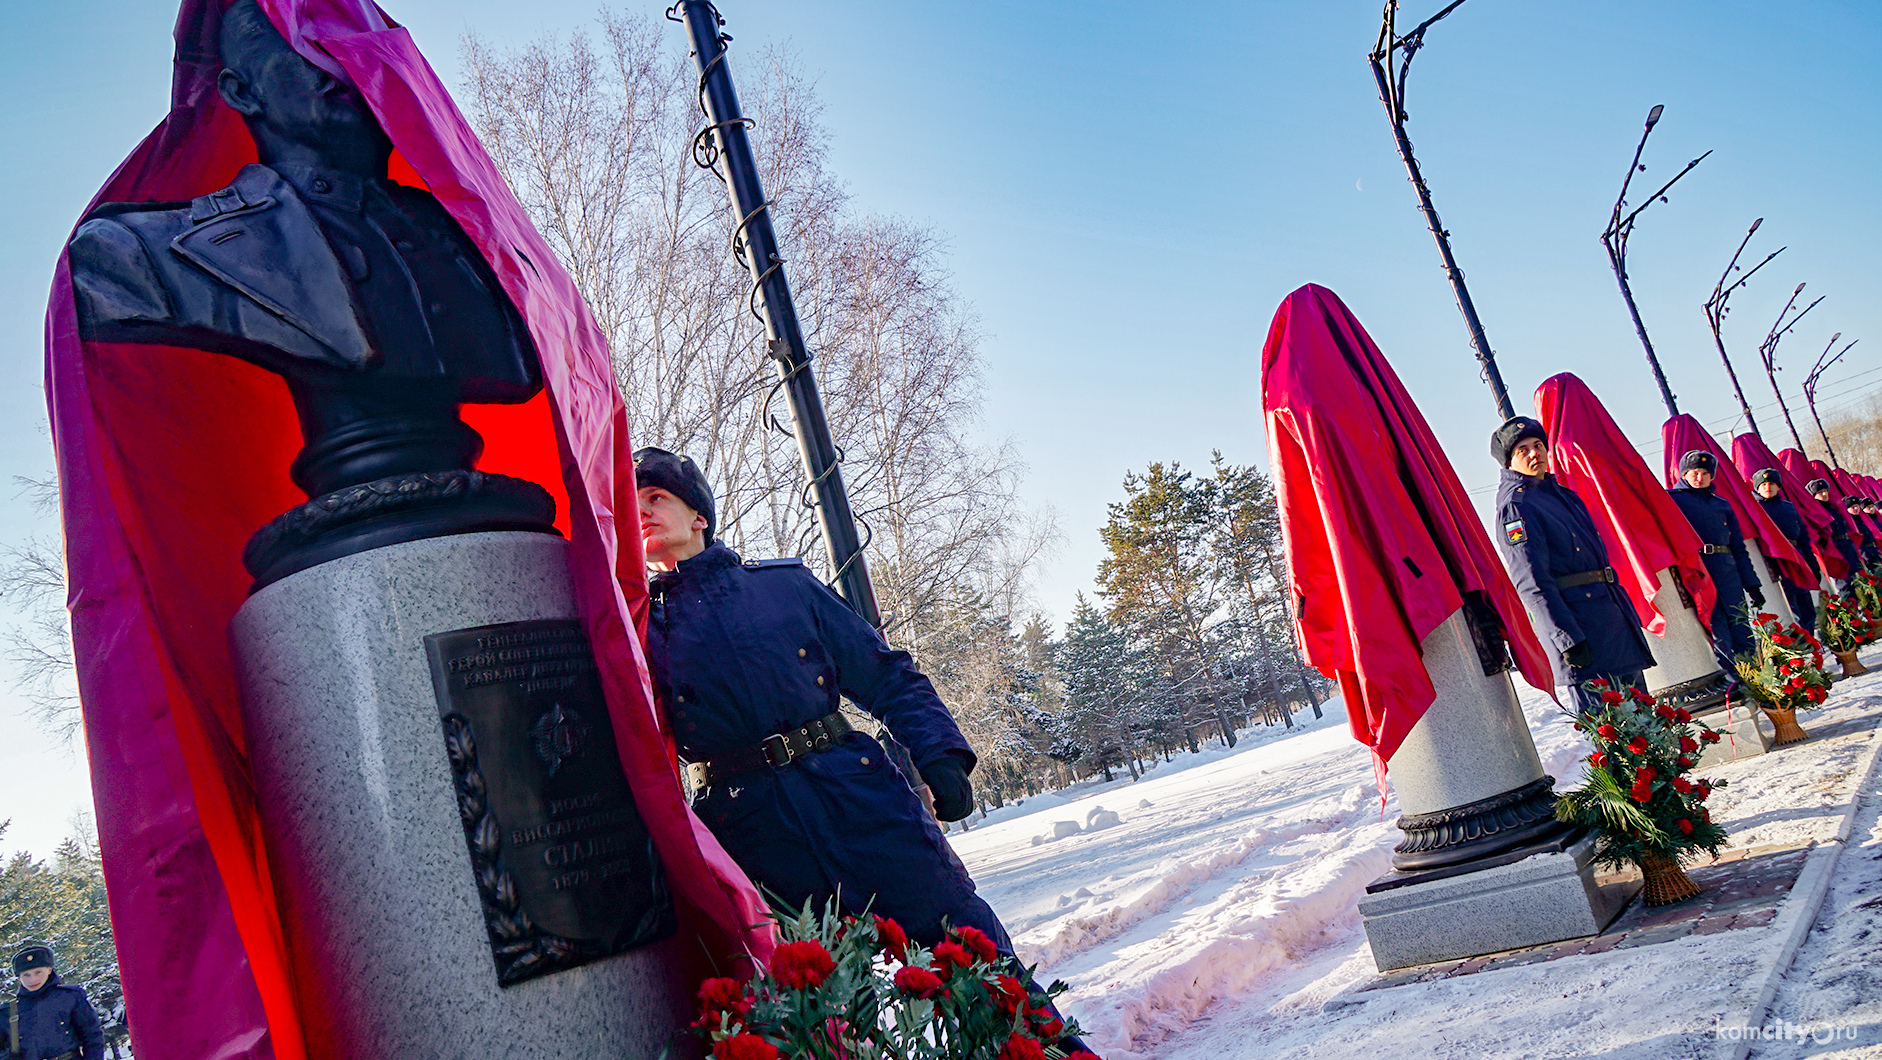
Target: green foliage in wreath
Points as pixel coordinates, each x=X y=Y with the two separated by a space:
x=1635 y=794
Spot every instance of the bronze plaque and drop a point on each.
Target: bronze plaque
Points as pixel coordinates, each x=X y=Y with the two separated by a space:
x=564 y=864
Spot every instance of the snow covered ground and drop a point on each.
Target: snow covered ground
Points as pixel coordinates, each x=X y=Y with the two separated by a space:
x=1217 y=919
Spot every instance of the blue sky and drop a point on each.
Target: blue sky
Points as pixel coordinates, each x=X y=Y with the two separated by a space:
x=1128 y=190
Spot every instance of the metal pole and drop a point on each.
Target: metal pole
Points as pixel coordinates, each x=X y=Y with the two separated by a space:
x=1615 y=237
x=1767 y=350
x=1716 y=310
x=1810 y=390
x=1392 y=94
x=724 y=147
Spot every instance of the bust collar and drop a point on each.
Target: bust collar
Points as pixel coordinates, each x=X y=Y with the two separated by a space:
x=323 y=186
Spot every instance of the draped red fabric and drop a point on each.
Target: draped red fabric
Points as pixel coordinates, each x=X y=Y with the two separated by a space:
x=170 y=458
x=1645 y=532
x=1750 y=452
x=1681 y=435
x=1797 y=466
x=1381 y=539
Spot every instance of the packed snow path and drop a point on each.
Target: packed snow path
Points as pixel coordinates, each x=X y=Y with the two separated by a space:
x=1217 y=918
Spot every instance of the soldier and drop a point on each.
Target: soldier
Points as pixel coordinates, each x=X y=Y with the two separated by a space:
x=1560 y=565
x=1768 y=485
x=1725 y=556
x=48 y=1020
x=749 y=660
x=1839 y=526
x=1864 y=540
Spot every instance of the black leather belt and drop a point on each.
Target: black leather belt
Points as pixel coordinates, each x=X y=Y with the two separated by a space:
x=775 y=751
x=1590 y=577
x=1715 y=550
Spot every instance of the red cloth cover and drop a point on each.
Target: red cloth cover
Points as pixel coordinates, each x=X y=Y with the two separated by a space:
x=1373 y=519
x=1681 y=435
x=1851 y=486
x=1750 y=452
x=170 y=458
x=1750 y=449
x=1645 y=532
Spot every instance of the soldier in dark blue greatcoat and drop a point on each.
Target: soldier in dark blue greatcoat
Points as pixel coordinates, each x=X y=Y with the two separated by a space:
x=1725 y=556
x=1839 y=526
x=47 y=1019
x=1769 y=488
x=1560 y=565
x=750 y=661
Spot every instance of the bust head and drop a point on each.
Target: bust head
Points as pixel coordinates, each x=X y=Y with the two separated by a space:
x=297 y=112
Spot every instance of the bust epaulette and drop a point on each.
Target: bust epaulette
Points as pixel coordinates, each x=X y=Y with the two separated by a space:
x=769 y=564
x=114 y=209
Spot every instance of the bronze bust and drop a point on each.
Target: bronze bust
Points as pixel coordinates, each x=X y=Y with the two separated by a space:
x=364 y=295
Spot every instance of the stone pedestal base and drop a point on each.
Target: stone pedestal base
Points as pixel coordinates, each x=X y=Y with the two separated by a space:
x=1541 y=898
x=1744 y=732
x=386 y=930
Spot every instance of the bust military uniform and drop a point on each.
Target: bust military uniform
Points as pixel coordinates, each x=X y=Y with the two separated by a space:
x=741 y=652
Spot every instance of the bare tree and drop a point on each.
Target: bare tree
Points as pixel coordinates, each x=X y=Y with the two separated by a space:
x=37 y=638
x=596 y=135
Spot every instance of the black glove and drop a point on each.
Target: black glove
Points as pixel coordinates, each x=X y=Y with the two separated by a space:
x=1757 y=596
x=1579 y=655
x=947 y=782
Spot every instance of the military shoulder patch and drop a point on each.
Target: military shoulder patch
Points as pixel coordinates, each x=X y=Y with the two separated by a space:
x=1513 y=530
x=766 y=564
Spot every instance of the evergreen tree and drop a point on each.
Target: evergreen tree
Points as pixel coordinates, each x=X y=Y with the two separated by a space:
x=62 y=904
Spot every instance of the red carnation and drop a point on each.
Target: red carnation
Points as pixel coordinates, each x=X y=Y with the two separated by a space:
x=1766 y=616
x=1682 y=785
x=1665 y=712
x=801 y=965
x=1597 y=759
x=1688 y=744
x=1082 y=1054
x=917 y=982
x=1638 y=745
x=977 y=941
x=951 y=955
x=1682 y=715
x=1608 y=732
x=1045 y=1024
x=1020 y=1047
x=1599 y=682
x=1709 y=735
x=1685 y=826
x=1641 y=792
x=744 y=1047
x=1612 y=698
x=1641 y=696
x=1684 y=762
x=894 y=940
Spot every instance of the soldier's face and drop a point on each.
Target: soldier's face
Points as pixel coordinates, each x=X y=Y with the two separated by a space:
x=670 y=530
x=1531 y=458
x=1698 y=478
x=1767 y=490
x=34 y=978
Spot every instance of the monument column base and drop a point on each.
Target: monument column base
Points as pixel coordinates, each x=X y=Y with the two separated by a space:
x=1686 y=671
x=1484 y=865
x=1775 y=602
x=1541 y=898
x=1742 y=732
x=408 y=829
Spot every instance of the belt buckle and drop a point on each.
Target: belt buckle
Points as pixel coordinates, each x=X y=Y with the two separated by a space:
x=699 y=774
x=782 y=756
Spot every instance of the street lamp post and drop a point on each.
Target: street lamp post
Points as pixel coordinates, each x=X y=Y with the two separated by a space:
x=1716 y=310
x=1392 y=94
x=1621 y=228
x=1810 y=390
x=1767 y=351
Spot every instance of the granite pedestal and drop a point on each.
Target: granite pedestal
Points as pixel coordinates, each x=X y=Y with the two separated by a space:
x=386 y=931
x=1686 y=671
x=1468 y=773
x=1743 y=730
x=1542 y=898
